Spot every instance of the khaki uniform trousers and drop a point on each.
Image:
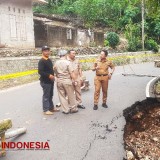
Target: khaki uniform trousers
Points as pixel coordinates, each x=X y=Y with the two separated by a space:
x=77 y=89
x=66 y=90
x=100 y=82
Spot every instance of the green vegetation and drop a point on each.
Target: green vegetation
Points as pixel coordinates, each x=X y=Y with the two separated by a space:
x=157 y=88
x=113 y=39
x=119 y=16
x=151 y=45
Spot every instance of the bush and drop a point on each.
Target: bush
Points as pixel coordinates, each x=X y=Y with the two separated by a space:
x=150 y=44
x=132 y=34
x=113 y=39
x=134 y=45
x=106 y=43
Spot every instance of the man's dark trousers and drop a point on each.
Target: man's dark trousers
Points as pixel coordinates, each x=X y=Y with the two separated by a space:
x=47 y=96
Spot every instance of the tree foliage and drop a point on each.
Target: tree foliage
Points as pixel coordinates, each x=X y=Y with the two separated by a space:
x=118 y=15
x=113 y=39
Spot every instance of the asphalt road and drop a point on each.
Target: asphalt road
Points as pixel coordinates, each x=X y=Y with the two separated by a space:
x=86 y=135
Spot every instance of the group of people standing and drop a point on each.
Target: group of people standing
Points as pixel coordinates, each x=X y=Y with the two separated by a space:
x=67 y=73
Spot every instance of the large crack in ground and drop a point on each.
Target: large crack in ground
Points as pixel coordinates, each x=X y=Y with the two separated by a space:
x=142 y=130
x=100 y=131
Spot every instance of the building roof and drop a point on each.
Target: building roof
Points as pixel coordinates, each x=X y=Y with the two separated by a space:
x=40 y=1
x=54 y=23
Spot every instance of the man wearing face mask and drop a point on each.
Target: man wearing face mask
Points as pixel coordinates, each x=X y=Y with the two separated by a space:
x=71 y=56
x=45 y=69
x=103 y=74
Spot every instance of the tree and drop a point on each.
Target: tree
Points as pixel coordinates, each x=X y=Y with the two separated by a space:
x=115 y=15
x=113 y=39
x=143 y=39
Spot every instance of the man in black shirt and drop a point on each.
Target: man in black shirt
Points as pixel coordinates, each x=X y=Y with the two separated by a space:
x=45 y=69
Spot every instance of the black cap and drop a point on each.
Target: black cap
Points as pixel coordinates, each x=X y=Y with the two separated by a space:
x=45 y=48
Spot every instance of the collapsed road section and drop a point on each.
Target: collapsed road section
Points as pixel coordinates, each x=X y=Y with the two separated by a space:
x=142 y=129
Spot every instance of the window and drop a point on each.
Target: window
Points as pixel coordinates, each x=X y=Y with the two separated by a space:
x=69 y=34
x=19 y=11
x=9 y=8
x=14 y=9
x=24 y=11
x=13 y=27
x=22 y=28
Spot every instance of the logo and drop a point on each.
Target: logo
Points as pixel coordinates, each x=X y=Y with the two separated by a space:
x=25 y=145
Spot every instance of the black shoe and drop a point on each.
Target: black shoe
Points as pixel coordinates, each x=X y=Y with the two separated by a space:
x=95 y=107
x=73 y=110
x=81 y=106
x=104 y=105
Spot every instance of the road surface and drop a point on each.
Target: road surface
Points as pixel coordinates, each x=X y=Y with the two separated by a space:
x=86 y=135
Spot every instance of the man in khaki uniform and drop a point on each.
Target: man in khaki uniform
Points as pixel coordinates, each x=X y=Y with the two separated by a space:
x=78 y=75
x=103 y=74
x=65 y=81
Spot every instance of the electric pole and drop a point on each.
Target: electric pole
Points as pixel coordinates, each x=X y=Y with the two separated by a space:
x=143 y=25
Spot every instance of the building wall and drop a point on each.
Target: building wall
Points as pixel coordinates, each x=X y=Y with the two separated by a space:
x=54 y=36
x=57 y=36
x=16 y=23
x=99 y=39
x=83 y=38
x=40 y=32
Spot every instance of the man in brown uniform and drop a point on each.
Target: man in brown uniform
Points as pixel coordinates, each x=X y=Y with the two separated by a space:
x=65 y=81
x=103 y=74
x=78 y=75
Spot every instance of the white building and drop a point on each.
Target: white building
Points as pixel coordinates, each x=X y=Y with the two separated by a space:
x=16 y=23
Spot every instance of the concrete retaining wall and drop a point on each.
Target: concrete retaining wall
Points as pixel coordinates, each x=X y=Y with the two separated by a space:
x=19 y=64
x=12 y=69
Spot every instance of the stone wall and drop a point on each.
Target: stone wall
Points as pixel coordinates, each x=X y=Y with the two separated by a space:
x=10 y=52
x=11 y=66
x=20 y=64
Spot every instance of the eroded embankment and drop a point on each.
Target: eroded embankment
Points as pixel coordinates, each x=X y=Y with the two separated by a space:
x=142 y=131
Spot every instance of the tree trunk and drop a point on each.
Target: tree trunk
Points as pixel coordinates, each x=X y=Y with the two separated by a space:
x=143 y=25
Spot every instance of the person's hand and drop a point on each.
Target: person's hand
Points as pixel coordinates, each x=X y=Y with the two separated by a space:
x=109 y=76
x=81 y=82
x=75 y=83
x=97 y=68
x=51 y=77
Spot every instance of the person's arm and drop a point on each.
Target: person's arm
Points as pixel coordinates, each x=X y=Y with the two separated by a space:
x=41 y=69
x=55 y=70
x=112 y=69
x=72 y=74
x=95 y=67
x=51 y=76
x=80 y=69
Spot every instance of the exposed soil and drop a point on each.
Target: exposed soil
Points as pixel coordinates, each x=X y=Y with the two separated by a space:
x=142 y=131
x=157 y=88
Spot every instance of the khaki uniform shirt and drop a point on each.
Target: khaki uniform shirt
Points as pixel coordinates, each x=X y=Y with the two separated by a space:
x=63 y=69
x=103 y=66
x=76 y=66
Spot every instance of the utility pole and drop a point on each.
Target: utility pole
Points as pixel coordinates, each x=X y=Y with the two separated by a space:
x=143 y=25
